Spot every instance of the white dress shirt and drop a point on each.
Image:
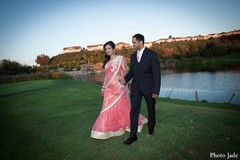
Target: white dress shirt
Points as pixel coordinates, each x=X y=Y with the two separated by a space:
x=140 y=54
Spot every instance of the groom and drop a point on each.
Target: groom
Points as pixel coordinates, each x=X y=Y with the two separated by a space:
x=146 y=74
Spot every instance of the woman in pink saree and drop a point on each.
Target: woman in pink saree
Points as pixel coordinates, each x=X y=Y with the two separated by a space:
x=114 y=118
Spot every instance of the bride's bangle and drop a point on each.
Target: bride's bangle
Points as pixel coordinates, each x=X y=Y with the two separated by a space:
x=123 y=73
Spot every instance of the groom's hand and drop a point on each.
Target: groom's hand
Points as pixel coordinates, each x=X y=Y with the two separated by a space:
x=154 y=95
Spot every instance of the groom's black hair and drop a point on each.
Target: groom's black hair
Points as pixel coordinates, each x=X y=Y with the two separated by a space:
x=139 y=37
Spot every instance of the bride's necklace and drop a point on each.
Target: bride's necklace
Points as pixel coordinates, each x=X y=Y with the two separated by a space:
x=112 y=57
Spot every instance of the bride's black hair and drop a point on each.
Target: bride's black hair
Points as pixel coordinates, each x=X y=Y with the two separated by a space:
x=107 y=57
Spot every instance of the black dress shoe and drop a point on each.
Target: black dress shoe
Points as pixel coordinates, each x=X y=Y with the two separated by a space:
x=130 y=140
x=151 y=132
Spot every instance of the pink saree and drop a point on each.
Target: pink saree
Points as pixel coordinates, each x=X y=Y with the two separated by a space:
x=114 y=118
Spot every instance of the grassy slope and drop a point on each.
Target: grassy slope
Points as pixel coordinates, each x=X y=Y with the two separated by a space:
x=52 y=119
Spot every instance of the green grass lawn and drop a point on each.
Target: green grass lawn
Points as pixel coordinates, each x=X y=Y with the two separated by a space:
x=52 y=119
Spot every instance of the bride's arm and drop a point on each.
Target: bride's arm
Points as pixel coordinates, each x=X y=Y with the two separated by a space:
x=124 y=67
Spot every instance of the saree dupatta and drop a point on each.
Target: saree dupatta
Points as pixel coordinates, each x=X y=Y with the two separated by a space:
x=114 y=74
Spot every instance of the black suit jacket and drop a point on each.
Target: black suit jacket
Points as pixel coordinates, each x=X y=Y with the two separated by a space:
x=146 y=74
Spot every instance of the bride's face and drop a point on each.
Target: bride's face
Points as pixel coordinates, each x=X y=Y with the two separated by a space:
x=109 y=50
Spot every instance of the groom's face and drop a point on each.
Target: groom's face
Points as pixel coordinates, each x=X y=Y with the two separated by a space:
x=136 y=44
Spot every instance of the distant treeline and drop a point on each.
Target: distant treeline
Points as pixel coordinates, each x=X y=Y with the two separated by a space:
x=204 y=48
x=8 y=67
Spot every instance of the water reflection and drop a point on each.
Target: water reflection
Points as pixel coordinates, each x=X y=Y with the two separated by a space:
x=220 y=86
x=215 y=81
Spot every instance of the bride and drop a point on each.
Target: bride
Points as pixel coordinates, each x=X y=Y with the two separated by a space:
x=114 y=118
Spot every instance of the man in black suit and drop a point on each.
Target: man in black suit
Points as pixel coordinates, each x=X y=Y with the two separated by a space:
x=146 y=74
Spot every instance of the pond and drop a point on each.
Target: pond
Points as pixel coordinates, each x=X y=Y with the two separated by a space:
x=219 y=86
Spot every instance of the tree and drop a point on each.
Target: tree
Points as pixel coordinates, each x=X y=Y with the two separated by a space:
x=87 y=56
x=42 y=59
x=8 y=67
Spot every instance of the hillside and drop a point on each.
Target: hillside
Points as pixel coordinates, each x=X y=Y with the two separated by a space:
x=167 y=51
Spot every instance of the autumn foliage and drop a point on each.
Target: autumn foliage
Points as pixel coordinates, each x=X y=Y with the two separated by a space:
x=42 y=59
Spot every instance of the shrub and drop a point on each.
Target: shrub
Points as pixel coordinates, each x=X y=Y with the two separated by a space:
x=32 y=77
x=60 y=75
x=23 y=77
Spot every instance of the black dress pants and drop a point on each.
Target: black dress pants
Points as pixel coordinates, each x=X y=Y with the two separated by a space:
x=136 y=99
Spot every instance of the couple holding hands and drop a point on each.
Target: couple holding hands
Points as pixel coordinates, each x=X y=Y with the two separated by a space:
x=120 y=112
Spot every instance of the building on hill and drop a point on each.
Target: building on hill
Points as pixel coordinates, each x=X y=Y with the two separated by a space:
x=199 y=37
x=122 y=44
x=95 y=47
x=119 y=45
x=72 y=49
x=100 y=46
x=148 y=44
x=162 y=40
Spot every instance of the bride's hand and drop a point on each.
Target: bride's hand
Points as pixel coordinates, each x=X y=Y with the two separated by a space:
x=121 y=80
x=103 y=89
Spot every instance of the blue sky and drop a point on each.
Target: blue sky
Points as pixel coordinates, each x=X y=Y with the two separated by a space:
x=33 y=27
